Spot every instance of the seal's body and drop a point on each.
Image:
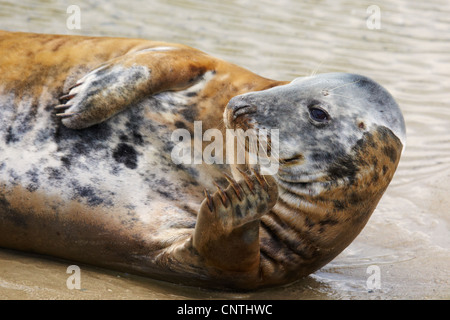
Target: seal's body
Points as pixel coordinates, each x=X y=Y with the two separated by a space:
x=100 y=186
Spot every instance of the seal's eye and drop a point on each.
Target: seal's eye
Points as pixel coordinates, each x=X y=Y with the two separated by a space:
x=318 y=114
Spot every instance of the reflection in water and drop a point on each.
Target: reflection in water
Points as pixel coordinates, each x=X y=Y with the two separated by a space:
x=407 y=236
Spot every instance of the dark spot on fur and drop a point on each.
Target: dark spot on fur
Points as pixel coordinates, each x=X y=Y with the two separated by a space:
x=375 y=161
x=86 y=141
x=54 y=173
x=192 y=172
x=80 y=147
x=14 y=177
x=197 y=71
x=137 y=138
x=115 y=170
x=168 y=147
x=339 y=205
x=390 y=152
x=10 y=136
x=88 y=193
x=165 y=194
x=321 y=156
x=189 y=113
x=385 y=169
x=134 y=124
x=343 y=167
x=44 y=135
x=191 y=94
x=162 y=186
x=32 y=187
x=330 y=222
x=180 y=125
x=238 y=211
x=309 y=223
x=34 y=178
x=327 y=222
x=126 y=154
x=366 y=141
x=123 y=138
x=359 y=144
x=66 y=162
x=384 y=134
x=375 y=176
x=354 y=198
x=10 y=214
x=22 y=124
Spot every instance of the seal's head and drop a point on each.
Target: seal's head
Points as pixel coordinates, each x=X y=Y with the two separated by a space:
x=340 y=139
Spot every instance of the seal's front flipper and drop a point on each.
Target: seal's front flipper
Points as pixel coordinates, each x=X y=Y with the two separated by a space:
x=102 y=93
x=125 y=80
x=227 y=230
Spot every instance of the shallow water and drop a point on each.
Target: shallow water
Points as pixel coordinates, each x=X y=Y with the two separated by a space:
x=407 y=238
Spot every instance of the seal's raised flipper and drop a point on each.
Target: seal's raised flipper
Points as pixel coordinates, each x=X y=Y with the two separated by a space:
x=102 y=93
x=227 y=230
x=123 y=81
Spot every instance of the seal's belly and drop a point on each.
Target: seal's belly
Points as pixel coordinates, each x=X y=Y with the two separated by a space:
x=122 y=166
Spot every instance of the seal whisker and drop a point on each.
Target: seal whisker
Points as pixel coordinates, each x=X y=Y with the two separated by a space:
x=343 y=85
x=241 y=144
x=311 y=84
x=273 y=154
x=340 y=95
x=314 y=72
x=221 y=125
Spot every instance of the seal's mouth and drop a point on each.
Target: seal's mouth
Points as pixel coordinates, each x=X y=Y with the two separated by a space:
x=292 y=161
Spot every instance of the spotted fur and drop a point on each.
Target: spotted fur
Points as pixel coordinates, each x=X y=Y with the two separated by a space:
x=86 y=173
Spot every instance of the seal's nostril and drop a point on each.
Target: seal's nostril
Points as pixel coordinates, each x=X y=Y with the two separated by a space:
x=243 y=109
x=242 y=106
